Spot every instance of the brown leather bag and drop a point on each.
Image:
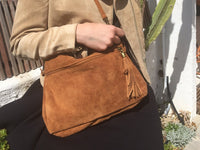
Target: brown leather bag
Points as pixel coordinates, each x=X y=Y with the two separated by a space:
x=79 y=93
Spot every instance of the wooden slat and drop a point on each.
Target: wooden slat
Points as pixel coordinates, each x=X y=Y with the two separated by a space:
x=2 y=73
x=12 y=8
x=7 y=15
x=4 y=57
x=6 y=37
x=33 y=65
x=27 y=65
x=38 y=63
x=15 y=2
x=9 y=24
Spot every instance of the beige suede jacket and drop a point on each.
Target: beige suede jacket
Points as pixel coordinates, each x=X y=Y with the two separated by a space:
x=46 y=27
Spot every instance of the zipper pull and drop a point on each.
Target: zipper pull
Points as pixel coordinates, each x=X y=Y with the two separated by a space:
x=122 y=52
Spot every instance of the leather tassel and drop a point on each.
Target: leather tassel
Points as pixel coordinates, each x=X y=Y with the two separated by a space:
x=137 y=90
x=133 y=90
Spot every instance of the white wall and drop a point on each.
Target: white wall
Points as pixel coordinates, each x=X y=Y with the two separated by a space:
x=13 y=88
x=176 y=47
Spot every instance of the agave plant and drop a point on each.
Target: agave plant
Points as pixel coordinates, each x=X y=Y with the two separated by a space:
x=160 y=16
x=178 y=135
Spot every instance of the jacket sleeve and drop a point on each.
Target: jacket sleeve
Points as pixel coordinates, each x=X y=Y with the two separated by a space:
x=31 y=37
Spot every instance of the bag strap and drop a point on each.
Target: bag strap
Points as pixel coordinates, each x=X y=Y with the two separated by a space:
x=102 y=12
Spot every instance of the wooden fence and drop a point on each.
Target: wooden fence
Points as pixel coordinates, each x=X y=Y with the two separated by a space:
x=10 y=65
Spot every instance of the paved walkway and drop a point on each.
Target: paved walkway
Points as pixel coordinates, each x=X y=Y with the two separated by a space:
x=195 y=143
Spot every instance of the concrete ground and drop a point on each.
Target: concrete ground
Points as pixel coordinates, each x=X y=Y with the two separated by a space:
x=195 y=143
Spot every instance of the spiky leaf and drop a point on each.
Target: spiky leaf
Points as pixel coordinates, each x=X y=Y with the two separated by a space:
x=160 y=16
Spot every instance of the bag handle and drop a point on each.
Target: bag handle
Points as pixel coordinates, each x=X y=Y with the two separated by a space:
x=105 y=19
x=102 y=12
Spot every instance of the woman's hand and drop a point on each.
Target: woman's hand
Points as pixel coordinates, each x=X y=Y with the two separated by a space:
x=98 y=36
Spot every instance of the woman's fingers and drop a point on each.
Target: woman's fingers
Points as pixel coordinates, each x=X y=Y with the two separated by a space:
x=98 y=36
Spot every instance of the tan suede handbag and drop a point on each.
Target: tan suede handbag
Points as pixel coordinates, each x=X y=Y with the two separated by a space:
x=79 y=93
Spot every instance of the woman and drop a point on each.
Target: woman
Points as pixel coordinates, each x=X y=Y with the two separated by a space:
x=44 y=28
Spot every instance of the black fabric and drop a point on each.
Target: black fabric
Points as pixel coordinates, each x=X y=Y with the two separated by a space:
x=136 y=129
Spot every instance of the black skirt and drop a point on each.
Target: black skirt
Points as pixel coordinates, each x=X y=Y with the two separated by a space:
x=136 y=129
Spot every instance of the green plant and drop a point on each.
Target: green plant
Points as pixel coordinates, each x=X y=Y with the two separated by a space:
x=3 y=143
x=141 y=3
x=178 y=135
x=160 y=16
x=171 y=126
x=169 y=146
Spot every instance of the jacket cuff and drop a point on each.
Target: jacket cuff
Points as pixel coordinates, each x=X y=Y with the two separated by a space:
x=63 y=40
x=67 y=38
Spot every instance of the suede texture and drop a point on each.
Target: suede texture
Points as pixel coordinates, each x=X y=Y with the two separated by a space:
x=79 y=93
